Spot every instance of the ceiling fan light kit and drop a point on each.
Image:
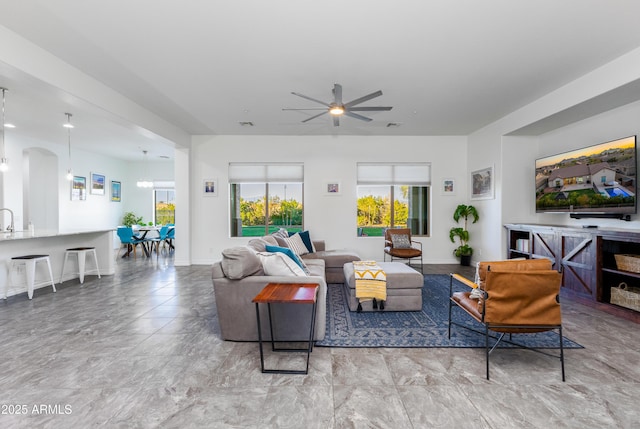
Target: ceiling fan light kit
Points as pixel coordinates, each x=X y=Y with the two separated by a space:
x=337 y=108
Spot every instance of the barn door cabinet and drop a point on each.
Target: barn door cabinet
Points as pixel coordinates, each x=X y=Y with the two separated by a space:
x=586 y=256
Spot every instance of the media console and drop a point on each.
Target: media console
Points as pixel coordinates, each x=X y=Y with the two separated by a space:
x=586 y=256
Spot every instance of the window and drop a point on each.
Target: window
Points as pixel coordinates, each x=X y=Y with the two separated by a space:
x=164 y=206
x=393 y=196
x=265 y=198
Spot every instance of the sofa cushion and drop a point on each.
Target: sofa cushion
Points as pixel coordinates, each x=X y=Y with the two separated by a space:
x=216 y=270
x=240 y=262
x=315 y=267
x=296 y=244
x=282 y=233
x=279 y=264
x=259 y=244
x=289 y=252
x=334 y=258
x=280 y=241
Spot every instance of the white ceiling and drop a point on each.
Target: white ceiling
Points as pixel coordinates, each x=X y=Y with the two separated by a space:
x=448 y=67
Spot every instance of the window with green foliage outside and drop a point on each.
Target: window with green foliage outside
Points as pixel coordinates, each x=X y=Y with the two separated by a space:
x=393 y=196
x=164 y=206
x=265 y=198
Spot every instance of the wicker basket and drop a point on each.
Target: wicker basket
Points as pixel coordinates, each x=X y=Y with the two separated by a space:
x=626 y=296
x=628 y=262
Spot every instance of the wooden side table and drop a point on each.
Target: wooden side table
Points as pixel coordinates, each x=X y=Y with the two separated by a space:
x=286 y=293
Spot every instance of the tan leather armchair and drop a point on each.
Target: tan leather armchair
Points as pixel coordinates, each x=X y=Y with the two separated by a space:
x=517 y=297
x=404 y=247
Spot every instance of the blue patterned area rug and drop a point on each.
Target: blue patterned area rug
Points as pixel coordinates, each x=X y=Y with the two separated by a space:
x=426 y=328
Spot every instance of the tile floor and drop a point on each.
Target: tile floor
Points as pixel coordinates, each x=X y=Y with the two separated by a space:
x=140 y=349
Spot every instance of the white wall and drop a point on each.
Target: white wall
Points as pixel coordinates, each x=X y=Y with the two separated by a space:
x=617 y=123
x=518 y=185
x=140 y=200
x=514 y=157
x=485 y=150
x=325 y=158
x=97 y=211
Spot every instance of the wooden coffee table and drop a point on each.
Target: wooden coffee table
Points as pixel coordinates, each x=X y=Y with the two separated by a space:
x=286 y=293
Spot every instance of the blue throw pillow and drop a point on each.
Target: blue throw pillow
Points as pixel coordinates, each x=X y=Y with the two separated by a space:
x=306 y=239
x=287 y=252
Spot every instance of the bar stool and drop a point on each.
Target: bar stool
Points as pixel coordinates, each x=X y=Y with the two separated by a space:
x=29 y=262
x=81 y=252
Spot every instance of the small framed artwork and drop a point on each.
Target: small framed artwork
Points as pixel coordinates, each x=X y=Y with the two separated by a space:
x=448 y=186
x=116 y=191
x=482 y=183
x=79 y=188
x=210 y=187
x=97 y=184
x=332 y=188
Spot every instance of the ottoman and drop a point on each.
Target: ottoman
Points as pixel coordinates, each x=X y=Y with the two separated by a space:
x=404 y=288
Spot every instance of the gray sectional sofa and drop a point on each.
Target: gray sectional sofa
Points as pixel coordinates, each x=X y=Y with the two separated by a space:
x=239 y=277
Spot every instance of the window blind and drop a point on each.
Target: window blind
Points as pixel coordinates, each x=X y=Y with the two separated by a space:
x=414 y=174
x=266 y=172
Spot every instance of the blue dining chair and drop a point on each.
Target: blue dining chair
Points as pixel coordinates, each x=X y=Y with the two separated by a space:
x=126 y=236
x=171 y=235
x=163 y=233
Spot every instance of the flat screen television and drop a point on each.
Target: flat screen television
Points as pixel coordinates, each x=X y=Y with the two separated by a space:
x=596 y=180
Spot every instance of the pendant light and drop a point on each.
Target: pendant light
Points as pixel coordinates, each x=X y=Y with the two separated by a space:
x=68 y=126
x=4 y=166
x=144 y=183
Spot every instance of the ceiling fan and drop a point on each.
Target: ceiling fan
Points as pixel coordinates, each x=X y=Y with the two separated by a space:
x=337 y=108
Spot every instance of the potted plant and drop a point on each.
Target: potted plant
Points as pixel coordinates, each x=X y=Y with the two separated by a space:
x=463 y=251
x=129 y=219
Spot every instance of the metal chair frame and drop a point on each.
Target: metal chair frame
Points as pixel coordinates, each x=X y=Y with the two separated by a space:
x=389 y=243
x=501 y=327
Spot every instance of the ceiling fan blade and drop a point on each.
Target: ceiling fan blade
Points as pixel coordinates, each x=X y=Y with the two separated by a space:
x=337 y=93
x=363 y=99
x=310 y=108
x=369 y=109
x=355 y=115
x=311 y=99
x=315 y=116
x=336 y=121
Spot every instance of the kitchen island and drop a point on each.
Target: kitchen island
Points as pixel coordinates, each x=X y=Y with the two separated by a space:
x=54 y=244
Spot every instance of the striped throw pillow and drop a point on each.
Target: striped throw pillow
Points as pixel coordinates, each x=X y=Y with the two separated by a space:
x=296 y=244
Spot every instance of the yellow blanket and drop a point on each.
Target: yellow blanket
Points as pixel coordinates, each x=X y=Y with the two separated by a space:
x=371 y=281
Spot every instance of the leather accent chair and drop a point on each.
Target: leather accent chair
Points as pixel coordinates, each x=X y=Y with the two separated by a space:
x=410 y=249
x=517 y=297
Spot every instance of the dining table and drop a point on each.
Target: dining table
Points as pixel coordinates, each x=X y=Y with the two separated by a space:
x=145 y=234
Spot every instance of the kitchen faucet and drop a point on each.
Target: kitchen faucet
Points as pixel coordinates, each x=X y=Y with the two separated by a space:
x=11 y=227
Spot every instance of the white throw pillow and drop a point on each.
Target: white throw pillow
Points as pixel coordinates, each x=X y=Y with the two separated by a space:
x=279 y=264
x=296 y=244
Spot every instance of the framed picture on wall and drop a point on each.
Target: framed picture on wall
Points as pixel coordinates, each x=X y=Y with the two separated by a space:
x=482 y=183
x=97 y=184
x=332 y=188
x=78 y=188
x=116 y=191
x=210 y=187
x=448 y=186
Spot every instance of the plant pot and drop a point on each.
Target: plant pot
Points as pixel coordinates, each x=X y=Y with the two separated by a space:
x=465 y=260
